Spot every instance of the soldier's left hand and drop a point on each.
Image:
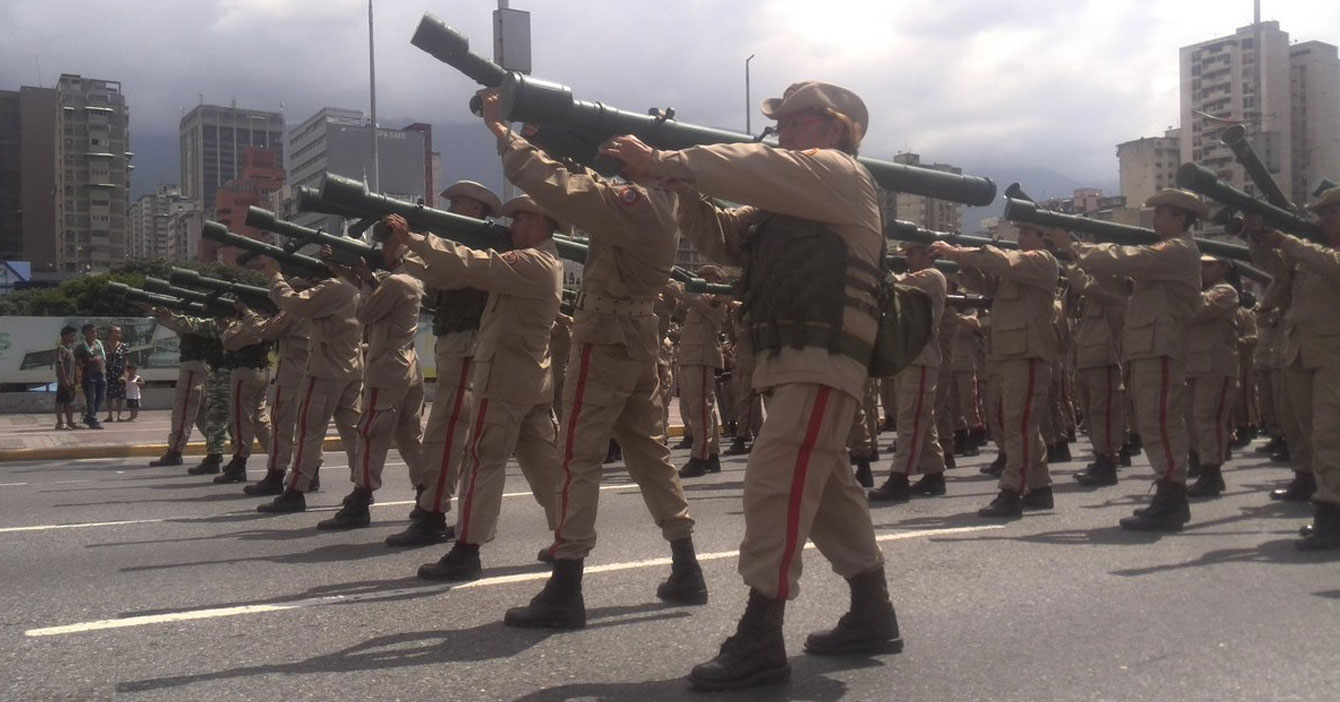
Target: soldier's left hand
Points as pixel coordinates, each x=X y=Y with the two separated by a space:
x=943 y=249
x=629 y=150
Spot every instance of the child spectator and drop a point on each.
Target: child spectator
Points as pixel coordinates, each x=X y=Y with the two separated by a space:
x=65 y=379
x=133 y=383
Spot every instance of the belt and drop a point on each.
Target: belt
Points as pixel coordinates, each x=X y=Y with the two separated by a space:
x=615 y=306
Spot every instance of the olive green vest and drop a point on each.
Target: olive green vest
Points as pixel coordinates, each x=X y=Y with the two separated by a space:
x=253 y=356
x=798 y=283
x=192 y=347
x=458 y=310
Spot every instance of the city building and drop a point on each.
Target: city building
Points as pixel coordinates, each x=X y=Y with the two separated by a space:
x=1148 y=165
x=1314 y=70
x=936 y=215
x=29 y=125
x=153 y=225
x=260 y=177
x=213 y=138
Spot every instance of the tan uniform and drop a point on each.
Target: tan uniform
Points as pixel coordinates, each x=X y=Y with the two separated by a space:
x=1268 y=374
x=699 y=359
x=918 y=447
x=1212 y=373
x=248 y=413
x=188 y=400
x=511 y=381
x=1098 y=357
x=749 y=406
x=1247 y=406
x=445 y=434
x=1023 y=352
x=1165 y=293
x=392 y=379
x=1312 y=362
x=612 y=380
x=798 y=482
x=560 y=348
x=333 y=381
x=290 y=332
x=963 y=365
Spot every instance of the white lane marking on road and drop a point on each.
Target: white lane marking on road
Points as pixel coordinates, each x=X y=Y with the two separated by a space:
x=49 y=482
x=198 y=614
x=45 y=527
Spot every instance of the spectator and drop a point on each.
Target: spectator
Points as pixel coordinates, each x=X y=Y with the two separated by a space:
x=116 y=369
x=65 y=379
x=133 y=382
x=92 y=374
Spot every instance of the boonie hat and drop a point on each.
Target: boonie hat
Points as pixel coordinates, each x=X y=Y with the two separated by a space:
x=817 y=95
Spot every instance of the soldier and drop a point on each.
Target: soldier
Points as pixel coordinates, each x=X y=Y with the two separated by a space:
x=1312 y=358
x=863 y=438
x=918 y=447
x=392 y=407
x=332 y=382
x=968 y=425
x=1164 y=296
x=201 y=373
x=248 y=358
x=512 y=383
x=1099 y=372
x=1212 y=375
x=456 y=314
x=188 y=400
x=218 y=392
x=289 y=332
x=612 y=379
x=1247 y=404
x=811 y=224
x=700 y=359
x=1024 y=349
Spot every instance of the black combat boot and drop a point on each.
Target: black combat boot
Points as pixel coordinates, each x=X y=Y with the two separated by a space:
x=754 y=655
x=211 y=464
x=546 y=555
x=713 y=464
x=352 y=515
x=1241 y=437
x=271 y=484
x=171 y=458
x=738 y=446
x=288 y=501
x=460 y=564
x=1271 y=446
x=1038 y=498
x=314 y=485
x=685 y=584
x=1325 y=532
x=1209 y=484
x=1300 y=489
x=977 y=437
x=1168 y=511
x=996 y=467
x=895 y=489
x=234 y=472
x=559 y=605
x=427 y=529
x=1124 y=456
x=960 y=442
x=685 y=443
x=1101 y=473
x=615 y=453
x=929 y=485
x=864 y=477
x=1059 y=452
x=1282 y=454
x=1135 y=445
x=869 y=626
x=1193 y=466
x=1006 y=506
x=950 y=464
x=417 y=511
x=695 y=468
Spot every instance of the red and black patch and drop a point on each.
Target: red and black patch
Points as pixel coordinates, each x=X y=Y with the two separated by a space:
x=629 y=195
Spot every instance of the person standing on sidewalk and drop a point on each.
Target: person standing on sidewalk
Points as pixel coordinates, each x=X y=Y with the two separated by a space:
x=91 y=374
x=67 y=379
x=116 y=370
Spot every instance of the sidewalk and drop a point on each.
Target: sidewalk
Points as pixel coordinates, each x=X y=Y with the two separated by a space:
x=32 y=437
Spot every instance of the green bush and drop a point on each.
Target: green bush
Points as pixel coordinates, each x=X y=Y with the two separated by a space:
x=88 y=296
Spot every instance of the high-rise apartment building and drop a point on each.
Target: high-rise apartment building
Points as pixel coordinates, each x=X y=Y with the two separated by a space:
x=153 y=225
x=92 y=174
x=1148 y=165
x=212 y=140
x=936 y=215
x=261 y=176
x=1314 y=70
x=29 y=123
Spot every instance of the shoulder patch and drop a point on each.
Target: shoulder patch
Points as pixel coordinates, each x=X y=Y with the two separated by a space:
x=810 y=152
x=511 y=256
x=629 y=195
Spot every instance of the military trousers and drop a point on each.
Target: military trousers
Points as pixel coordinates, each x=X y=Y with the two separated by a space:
x=391 y=413
x=218 y=393
x=445 y=435
x=918 y=448
x=696 y=393
x=188 y=404
x=323 y=399
x=965 y=389
x=1209 y=418
x=249 y=414
x=798 y=486
x=284 y=417
x=749 y=405
x=610 y=393
x=1265 y=379
x=862 y=440
x=1314 y=396
x=498 y=430
x=994 y=418
x=1104 y=407
x=1023 y=387
x=1157 y=388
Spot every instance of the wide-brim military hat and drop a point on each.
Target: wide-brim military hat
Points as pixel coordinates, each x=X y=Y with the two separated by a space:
x=525 y=203
x=471 y=189
x=817 y=95
x=1206 y=258
x=1181 y=199
x=1327 y=198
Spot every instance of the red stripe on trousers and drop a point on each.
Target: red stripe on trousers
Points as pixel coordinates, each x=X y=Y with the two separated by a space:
x=467 y=504
x=1163 y=420
x=1023 y=427
x=302 y=433
x=798 y=492
x=702 y=409
x=916 y=424
x=573 y=417
x=179 y=430
x=443 y=469
x=274 y=443
x=1220 y=418
x=368 y=418
x=1107 y=423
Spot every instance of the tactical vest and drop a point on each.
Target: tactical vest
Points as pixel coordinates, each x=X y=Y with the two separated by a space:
x=458 y=310
x=799 y=282
x=213 y=352
x=253 y=356
x=192 y=347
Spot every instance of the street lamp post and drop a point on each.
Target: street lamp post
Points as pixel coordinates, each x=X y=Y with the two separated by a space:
x=748 y=104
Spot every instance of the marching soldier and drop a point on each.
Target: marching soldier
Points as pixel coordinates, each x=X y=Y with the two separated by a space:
x=290 y=333
x=248 y=358
x=1164 y=296
x=188 y=401
x=700 y=358
x=1024 y=349
x=218 y=391
x=1212 y=375
x=811 y=226
x=1099 y=373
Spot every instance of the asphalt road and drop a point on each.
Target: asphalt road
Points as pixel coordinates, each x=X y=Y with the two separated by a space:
x=193 y=596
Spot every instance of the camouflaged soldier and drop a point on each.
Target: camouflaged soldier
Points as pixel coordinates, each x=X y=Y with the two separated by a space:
x=247 y=355
x=201 y=352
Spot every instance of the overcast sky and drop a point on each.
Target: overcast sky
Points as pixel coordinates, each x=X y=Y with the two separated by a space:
x=990 y=86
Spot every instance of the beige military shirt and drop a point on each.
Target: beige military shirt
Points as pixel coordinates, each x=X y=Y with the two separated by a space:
x=964 y=347
x=933 y=283
x=700 y=337
x=630 y=254
x=1023 y=307
x=389 y=314
x=292 y=337
x=330 y=306
x=1164 y=294
x=1311 y=326
x=525 y=286
x=821 y=185
x=1102 y=311
x=1212 y=336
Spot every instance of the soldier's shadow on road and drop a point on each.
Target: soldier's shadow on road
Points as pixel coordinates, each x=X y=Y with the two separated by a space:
x=482 y=643
x=210 y=498
x=1279 y=551
x=329 y=553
